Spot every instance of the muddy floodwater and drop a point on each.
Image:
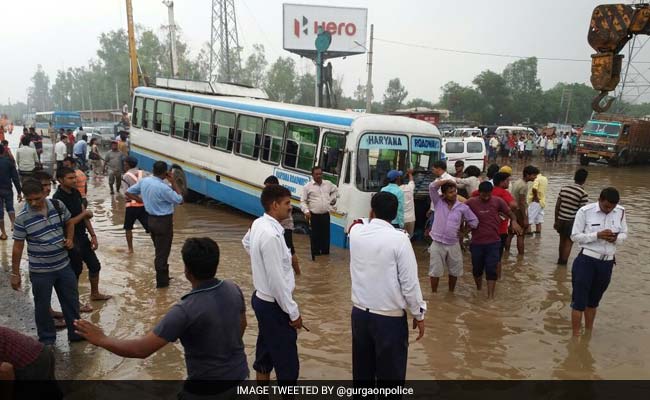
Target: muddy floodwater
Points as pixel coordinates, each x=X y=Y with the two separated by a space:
x=523 y=334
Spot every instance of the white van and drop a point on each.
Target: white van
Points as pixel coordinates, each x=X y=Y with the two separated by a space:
x=466 y=132
x=470 y=149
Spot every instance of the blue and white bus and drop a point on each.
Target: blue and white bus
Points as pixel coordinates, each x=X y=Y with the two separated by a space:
x=226 y=146
x=56 y=119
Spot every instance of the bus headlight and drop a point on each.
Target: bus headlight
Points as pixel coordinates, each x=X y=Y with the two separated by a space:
x=610 y=148
x=581 y=145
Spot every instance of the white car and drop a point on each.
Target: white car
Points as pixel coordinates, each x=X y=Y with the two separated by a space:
x=469 y=149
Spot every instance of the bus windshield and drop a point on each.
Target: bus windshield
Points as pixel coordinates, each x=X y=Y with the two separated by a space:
x=424 y=152
x=67 y=120
x=379 y=153
x=601 y=128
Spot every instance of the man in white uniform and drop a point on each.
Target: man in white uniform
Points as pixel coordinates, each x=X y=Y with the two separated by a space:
x=384 y=285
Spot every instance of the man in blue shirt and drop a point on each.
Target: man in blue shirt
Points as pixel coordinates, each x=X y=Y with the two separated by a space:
x=209 y=321
x=159 y=199
x=80 y=149
x=394 y=180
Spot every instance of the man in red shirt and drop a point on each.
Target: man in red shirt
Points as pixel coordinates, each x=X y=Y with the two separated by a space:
x=23 y=358
x=486 y=242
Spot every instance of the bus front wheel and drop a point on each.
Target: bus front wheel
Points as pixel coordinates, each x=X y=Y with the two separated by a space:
x=584 y=160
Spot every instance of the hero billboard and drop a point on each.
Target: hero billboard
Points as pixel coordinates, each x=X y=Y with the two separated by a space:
x=346 y=25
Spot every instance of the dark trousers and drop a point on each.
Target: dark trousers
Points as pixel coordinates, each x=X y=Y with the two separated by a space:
x=64 y=283
x=379 y=347
x=161 y=229
x=83 y=253
x=590 y=278
x=320 y=234
x=276 y=346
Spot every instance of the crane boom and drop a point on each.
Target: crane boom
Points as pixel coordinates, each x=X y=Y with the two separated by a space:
x=133 y=55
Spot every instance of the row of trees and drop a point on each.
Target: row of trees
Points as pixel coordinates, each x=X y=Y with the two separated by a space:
x=512 y=96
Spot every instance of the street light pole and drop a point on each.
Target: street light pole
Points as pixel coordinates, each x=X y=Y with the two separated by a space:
x=369 y=83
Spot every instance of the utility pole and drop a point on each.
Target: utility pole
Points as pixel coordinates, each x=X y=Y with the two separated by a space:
x=223 y=40
x=117 y=97
x=568 y=107
x=172 y=36
x=369 y=83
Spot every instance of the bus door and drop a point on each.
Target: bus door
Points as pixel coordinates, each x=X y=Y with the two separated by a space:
x=331 y=159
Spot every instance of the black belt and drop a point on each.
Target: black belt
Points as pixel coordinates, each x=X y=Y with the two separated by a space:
x=161 y=216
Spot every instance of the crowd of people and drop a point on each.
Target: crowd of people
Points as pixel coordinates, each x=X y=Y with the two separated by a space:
x=59 y=236
x=552 y=146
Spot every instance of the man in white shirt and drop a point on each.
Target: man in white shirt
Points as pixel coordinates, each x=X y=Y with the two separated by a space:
x=597 y=229
x=385 y=284
x=317 y=198
x=26 y=158
x=493 y=148
x=276 y=311
x=61 y=151
x=409 y=203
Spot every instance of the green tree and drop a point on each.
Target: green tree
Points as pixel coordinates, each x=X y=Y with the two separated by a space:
x=150 y=52
x=496 y=96
x=281 y=80
x=394 y=95
x=255 y=67
x=521 y=78
x=465 y=103
x=39 y=93
x=306 y=90
x=418 y=102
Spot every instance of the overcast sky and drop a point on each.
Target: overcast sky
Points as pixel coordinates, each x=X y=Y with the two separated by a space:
x=64 y=33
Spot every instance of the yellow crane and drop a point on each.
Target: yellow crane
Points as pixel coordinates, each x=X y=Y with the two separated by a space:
x=133 y=55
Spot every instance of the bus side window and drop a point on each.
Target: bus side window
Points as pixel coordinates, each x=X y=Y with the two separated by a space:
x=272 y=141
x=248 y=138
x=223 y=131
x=300 y=148
x=148 y=116
x=137 y=112
x=331 y=156
x=201 y=122
x=181 y=121
x=161 y=123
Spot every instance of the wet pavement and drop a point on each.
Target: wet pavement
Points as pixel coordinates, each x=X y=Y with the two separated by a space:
x=524 y=333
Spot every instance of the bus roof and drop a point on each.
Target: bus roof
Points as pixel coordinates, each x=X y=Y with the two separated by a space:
x=343 y=119
x=68 y=113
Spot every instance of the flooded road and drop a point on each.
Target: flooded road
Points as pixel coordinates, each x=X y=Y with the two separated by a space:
x=524 y=333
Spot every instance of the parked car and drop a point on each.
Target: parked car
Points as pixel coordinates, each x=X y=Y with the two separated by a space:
x=469 y=149
x=466 y=132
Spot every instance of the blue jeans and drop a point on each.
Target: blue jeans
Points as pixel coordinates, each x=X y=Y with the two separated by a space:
x=64 y=283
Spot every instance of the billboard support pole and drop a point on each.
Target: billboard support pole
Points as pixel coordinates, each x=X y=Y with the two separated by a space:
x=369 y=83
x=323 y=41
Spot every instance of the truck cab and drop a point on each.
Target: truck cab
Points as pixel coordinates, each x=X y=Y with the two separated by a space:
x=604 y=141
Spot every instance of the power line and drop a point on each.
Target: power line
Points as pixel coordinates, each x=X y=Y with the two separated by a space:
x=478 y=53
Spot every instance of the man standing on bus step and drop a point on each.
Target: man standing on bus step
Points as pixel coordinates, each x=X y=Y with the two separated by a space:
x=114 y=162
x=134 y=209
x=486 y=242
x=278 y=317
x=385 y=285
x=61 y=151
x=318 y=196
x=394 y=179
x=445 y=249
x=159 y=200
x=597 y=229
x=570 y=199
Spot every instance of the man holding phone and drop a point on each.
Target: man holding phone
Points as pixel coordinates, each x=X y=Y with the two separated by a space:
x=159 y=199
x=597 y=229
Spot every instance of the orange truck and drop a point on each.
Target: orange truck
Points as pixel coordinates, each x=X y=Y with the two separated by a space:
x=615 y=139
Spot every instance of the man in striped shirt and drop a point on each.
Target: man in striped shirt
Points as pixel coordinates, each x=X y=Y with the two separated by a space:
x=570 y=199
x=41 y=224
